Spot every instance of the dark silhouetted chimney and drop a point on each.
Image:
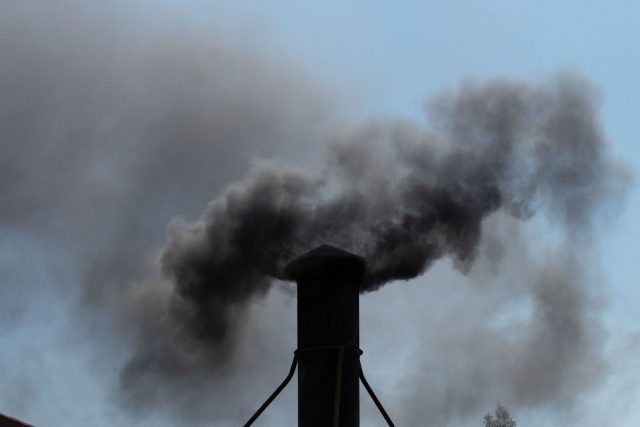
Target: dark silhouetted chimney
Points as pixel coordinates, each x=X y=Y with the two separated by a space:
x=328 y=336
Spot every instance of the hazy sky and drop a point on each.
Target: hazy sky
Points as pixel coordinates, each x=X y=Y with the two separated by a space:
x=105 y=139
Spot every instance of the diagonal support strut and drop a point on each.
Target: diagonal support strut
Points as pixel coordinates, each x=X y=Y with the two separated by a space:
x=292 y=370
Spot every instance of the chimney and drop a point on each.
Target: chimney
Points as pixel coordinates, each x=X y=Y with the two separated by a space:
x=328 y=352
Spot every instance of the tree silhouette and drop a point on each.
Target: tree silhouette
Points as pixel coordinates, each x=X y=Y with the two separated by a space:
x=502 y=418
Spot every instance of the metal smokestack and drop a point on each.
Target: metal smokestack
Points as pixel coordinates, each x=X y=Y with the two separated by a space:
x=328 y=352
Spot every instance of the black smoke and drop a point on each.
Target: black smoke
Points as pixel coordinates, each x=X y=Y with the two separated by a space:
x=401 y=194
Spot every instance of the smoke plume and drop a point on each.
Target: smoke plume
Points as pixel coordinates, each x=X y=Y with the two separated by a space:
x=400 y=194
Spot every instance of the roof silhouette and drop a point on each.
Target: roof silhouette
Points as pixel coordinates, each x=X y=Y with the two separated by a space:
x=6 y=421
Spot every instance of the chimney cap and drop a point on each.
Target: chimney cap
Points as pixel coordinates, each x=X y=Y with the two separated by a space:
x=326 y=262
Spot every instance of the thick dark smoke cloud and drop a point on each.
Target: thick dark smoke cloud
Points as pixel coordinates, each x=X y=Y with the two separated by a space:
x=401 y=195
x=112 y=127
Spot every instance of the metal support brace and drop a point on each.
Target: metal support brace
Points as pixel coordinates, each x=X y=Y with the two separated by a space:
x=336 y=408
x=275 y=394
x=375 y=399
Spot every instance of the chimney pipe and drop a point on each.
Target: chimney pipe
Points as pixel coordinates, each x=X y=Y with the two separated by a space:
x=328 y=281
x=328 y=355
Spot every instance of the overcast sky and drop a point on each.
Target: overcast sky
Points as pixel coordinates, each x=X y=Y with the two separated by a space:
x=117 y=118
